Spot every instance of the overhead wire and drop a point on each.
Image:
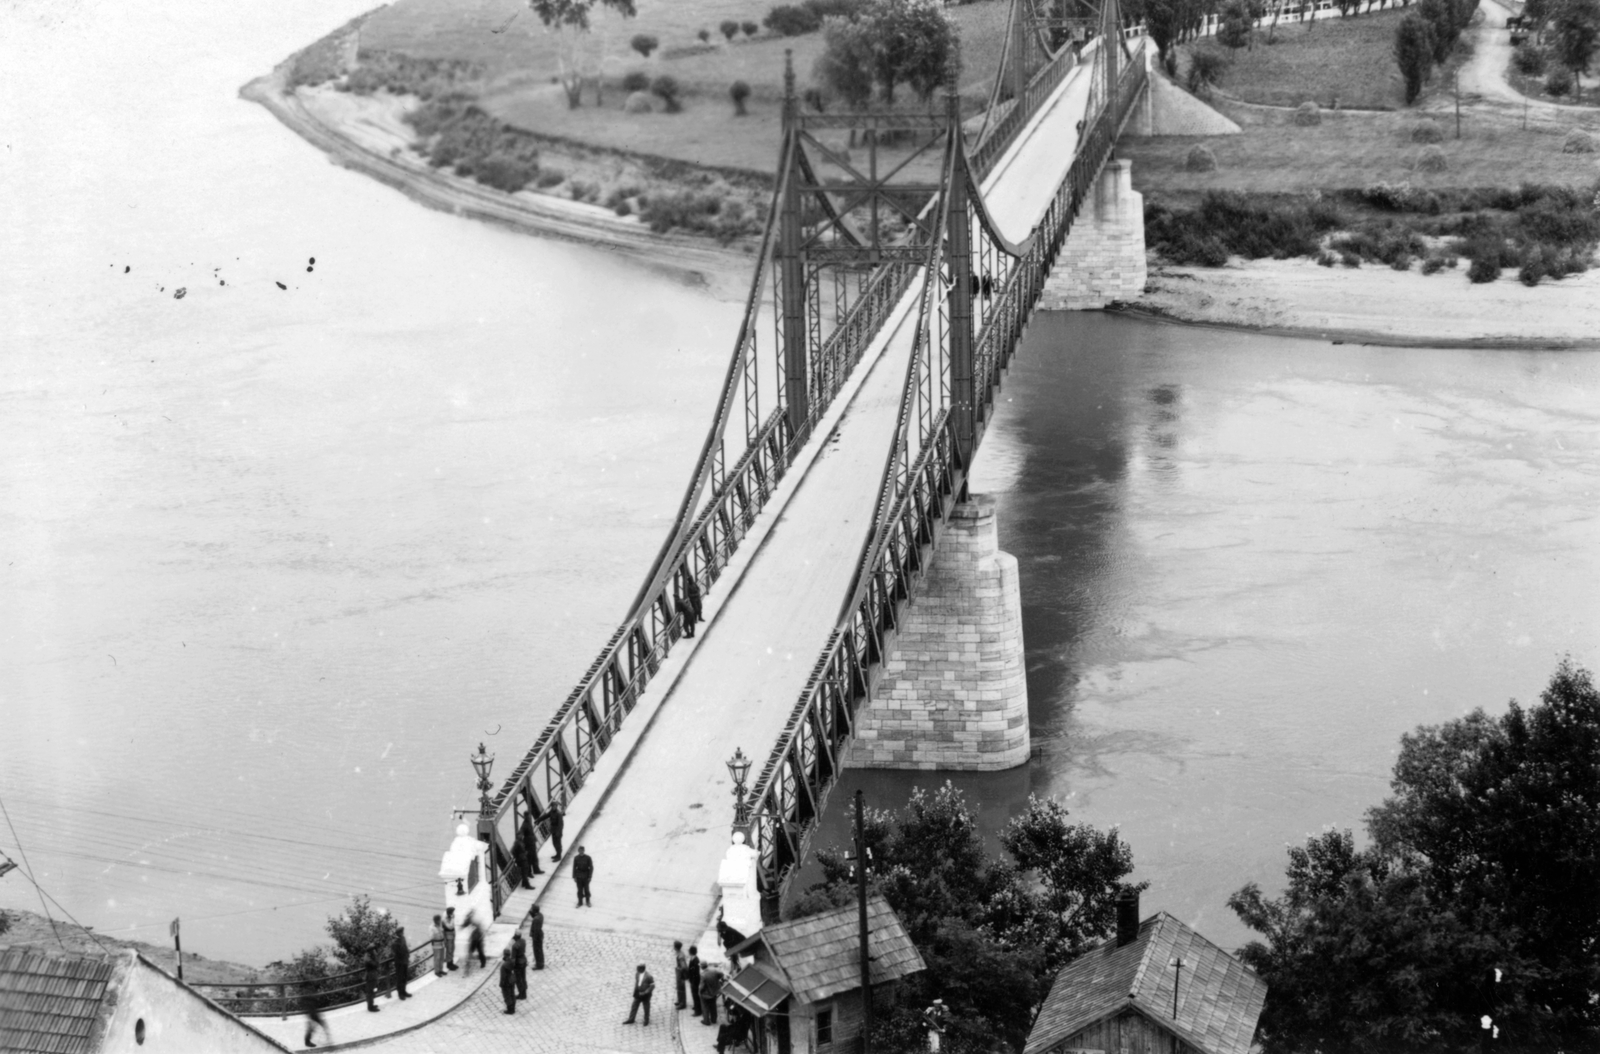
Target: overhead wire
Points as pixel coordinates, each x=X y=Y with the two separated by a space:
x=27 y=871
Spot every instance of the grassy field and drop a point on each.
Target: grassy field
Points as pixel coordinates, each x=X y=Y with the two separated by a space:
x=520 y=60
x=1356 y=149
x=1351 y=59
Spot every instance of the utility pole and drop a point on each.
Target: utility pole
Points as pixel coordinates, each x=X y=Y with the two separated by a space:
x=177 y=944
x=861 y=897
x=1458 y=102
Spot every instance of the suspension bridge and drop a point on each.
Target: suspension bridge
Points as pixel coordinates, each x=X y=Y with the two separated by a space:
x=901 y=261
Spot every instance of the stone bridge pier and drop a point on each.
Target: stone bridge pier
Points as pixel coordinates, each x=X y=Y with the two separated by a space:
x=953 y=693
x=1103 y=258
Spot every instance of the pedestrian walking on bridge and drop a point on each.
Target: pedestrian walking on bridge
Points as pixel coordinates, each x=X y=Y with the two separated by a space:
x=436 y=942
x=402 y=961
x=316 y=1022
x=681 y=973
x=555 y=821
x=530 y=843
x=475 y=940
x=689 y=606
x=519 y=855
x=519 y=962
x=582 y=874
x=536 y=936
x=508 y=981
x=644 y=986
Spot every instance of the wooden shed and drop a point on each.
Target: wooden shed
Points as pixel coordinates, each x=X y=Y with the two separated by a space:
x=805 y=983
x=1119 y=997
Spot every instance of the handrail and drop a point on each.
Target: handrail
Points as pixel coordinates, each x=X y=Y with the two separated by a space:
x=322 y=993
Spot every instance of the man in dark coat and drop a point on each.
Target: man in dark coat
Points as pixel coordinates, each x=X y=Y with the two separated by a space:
x=680 y=973
x=689 y=605
x=555 y=822
x=582 y=873
x=710 y=991
x=536 y=935
x=644 y=986
x=530 y=843
x=402 y=961
x=508 y=981
x=369 y=977
x=692 y=974
x=519 y=962
x=519 y=854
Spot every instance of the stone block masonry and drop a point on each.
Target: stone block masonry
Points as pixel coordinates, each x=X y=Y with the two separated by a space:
x=1103 y=258
x=953 y=693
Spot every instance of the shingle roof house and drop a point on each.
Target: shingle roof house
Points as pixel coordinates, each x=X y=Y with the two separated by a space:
x=82 y=1004
x=1118 y=998
x=812 y=968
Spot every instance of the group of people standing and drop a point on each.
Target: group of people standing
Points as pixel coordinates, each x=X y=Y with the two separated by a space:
x=514 y=961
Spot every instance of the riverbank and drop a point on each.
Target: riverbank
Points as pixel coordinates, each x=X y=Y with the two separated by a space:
x=1377 y=305
x=367 y=135
x=32 y=930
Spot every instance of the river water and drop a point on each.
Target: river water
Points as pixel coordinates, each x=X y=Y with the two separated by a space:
x=275 y=560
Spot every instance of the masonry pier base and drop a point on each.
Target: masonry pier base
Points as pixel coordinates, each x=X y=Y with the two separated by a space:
x=1103 y=258
x=953 y=694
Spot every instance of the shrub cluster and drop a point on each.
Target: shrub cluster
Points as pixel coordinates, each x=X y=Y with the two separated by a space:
x=702 y=211
x=791 y=20
x=319 y=63
x=636 y=80
x=477 y=145
x=1530 y=60
x=1229 y=223
x=406 y=75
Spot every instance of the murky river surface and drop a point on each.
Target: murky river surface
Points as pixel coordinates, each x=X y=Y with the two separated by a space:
x=275 y=560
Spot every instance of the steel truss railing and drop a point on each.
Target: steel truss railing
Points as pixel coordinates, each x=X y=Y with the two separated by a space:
x=791 y=790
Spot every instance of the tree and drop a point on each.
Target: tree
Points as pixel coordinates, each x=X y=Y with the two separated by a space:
x=845 y=65
x=1506 y=813
x=738 y=91
x=665 y=88
x=568 y=19
x=1235 y=28
x=749 y=29
x=1577 y=28
x=992 y=942
x=1164 y=20
x=1413 y=53
x=361 y=928
x=1205 y=70
x=644 y=44
x=912 y=42
x=729 y=29
x=1485 y=857
x=1080 y=871
x=704 y=35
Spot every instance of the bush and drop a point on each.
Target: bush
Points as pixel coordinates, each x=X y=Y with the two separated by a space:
x=638 y=80
x=738 y=91
x=704 y=35
x=1350 y=259
x=665 y=88
x=1533 y=265
x=791 y=20
x=1483 y=270
x=749 y=29
x=1432 y=160
x=509 y=174
x=1205 y=70
x=1308 y=114
x=1578 y=141
x=1200 y=159
x=548 y=178
x=1427 y=132
x=1433 y=265
x=582 y=191
x=729 y=29
x=1559 y=82
x=703 y=211
x=644 y=43
x=1326 y=259
x=1529 y=60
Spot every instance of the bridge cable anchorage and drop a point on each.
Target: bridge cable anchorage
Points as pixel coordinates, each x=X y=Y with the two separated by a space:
x=977 y=292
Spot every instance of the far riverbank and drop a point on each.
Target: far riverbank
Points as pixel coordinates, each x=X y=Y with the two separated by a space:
x=1292 y=297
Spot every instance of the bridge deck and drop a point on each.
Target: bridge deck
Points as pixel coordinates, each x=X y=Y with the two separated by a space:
x=658 y=836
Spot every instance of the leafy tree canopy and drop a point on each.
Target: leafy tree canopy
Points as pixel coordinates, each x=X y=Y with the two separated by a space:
x=360 y=928
x=1485 y=857
x=993 y=932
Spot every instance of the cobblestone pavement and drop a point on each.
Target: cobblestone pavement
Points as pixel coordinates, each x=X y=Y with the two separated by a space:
x=577 y=1003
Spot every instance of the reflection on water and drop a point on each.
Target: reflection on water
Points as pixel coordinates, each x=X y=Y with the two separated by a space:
x=1249 y=564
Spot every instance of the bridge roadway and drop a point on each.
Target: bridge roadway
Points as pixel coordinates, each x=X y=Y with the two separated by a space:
x=660 y=831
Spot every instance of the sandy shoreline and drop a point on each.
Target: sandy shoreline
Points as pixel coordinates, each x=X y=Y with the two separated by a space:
x=1372 y=304
x=1377 y=305
x=368 y=138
